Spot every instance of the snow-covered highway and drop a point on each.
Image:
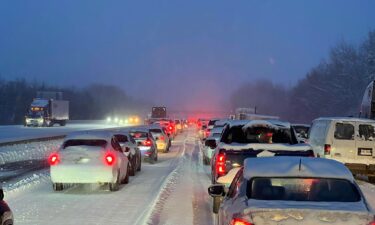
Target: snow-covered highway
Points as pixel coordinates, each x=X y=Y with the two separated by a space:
x=172 y=191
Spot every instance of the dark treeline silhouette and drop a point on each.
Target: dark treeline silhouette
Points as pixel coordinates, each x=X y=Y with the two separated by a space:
x=94 y=102
x=333 y=88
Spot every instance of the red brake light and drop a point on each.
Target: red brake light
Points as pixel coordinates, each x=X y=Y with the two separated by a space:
x=220 y=164
x=161 y=138
x=147 y=143
x=170 y=128
x=53 y=159
x=238 y=221
x=109 y=159
x=207 y=133
x=327 y=149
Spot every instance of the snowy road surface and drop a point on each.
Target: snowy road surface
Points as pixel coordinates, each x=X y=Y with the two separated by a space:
x=172 y=191
x=19 y=132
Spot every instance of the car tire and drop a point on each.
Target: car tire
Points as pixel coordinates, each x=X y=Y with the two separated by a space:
x=216 y=204
x=139 y=164
x=115 y=186
x=58 y=186
x=126 y=179
x=132 y=168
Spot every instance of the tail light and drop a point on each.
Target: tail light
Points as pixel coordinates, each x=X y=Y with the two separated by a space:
x=147 y=143
x=238 y=221
x=207 y=133
x=372 y=223
x=54 y=159
x=109 y=159
x=327 y=149
x=220 y=164
x=161 y=138
x=170 y=128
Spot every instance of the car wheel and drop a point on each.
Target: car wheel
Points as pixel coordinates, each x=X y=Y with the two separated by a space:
x=132 y=168
x=156 y=157
x=139 y=164
x=126 y=179
x=58 y=186
x=115 y=186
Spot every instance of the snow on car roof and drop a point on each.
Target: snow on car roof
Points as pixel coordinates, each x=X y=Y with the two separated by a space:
x=273 y=124
x=260 y=146
x=105 y=135
x=286 y=166
x=346 y=119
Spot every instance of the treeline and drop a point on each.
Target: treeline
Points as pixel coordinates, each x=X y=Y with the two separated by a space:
x=335 y=87
x=94 y=102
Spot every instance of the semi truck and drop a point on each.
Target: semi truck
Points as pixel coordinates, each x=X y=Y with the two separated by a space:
x=47 y=109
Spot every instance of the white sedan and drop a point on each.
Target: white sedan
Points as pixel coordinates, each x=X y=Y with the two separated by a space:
x=89 y=157
x=292 y=190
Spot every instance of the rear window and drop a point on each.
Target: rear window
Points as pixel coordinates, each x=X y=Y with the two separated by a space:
x=366 y=132
x=155 y=131
x=137 y=135
x=303 y=189
x=257 y=135
x=344 y=131
x=77 y=142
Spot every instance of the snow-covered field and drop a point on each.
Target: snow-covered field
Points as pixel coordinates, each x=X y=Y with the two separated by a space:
x=19 y=132
x=172 y=191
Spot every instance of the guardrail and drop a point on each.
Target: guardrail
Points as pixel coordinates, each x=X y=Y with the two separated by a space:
x=49 y=138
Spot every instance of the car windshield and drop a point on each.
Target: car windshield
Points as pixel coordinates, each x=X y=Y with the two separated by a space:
x=258 y=135
x=84 y=142
x=303 y=189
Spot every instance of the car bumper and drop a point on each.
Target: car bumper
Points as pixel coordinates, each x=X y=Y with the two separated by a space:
x=77 y=174
x=146 y=152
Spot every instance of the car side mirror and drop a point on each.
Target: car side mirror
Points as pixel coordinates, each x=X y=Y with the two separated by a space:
x=1 y=194
x=216 y=190
x=210 y=143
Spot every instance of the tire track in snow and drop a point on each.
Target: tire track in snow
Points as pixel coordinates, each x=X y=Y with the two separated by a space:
x=169 y=185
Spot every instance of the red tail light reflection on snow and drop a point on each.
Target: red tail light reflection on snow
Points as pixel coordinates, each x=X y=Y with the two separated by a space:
x=54 y=159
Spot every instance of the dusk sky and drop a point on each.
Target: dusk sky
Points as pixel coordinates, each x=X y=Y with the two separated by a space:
x=174 y=52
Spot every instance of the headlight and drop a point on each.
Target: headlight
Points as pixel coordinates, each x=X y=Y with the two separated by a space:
x=109 y=119
x=40 y=120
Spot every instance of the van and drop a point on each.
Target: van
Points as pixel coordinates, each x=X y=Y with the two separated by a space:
x=349 y=140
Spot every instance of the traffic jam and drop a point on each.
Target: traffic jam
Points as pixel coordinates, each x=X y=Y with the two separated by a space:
x=249 y=112
x=258 y=169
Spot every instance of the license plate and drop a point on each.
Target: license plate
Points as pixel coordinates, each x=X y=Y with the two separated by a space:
x=365 y=151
